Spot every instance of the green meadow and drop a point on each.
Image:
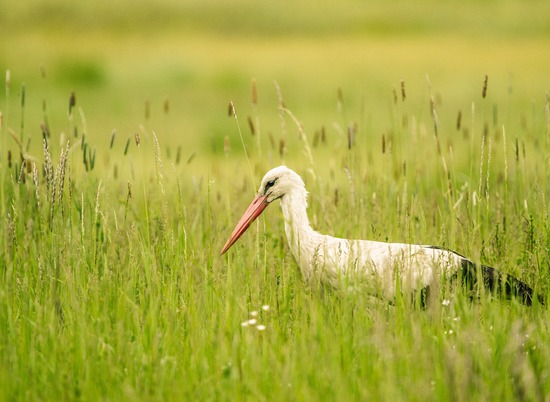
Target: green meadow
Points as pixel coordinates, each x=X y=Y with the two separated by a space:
x=133 y=135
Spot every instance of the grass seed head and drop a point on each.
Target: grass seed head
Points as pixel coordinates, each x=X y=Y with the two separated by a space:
x=251 y=125
x=23 y=97
x=282 y=147
x=127 y=146
x=352 y=130
x=45 y=130
x=72 y=102
x=48 y=167
x=231 y=110
x=316 y=136
x=484 y=91
x=112 y=139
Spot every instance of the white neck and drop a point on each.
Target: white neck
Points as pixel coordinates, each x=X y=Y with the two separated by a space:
x=302 y=239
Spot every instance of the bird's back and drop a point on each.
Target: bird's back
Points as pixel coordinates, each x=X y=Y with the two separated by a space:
x=379 y=266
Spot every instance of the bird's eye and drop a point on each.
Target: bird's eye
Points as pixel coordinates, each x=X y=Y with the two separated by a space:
x=270 y=184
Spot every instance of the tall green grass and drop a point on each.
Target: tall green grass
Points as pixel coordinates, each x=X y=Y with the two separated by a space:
x=112 y=287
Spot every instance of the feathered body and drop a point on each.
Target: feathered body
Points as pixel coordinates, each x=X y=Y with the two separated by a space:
x=380 y=268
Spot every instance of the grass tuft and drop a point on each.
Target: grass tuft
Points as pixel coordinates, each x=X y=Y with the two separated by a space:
x=107 y=293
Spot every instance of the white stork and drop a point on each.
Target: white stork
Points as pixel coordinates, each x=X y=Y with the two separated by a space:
x=381 y=268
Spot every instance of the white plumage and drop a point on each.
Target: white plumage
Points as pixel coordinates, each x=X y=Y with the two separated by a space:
x=378 y=267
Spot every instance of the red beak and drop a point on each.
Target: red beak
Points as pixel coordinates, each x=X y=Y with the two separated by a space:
x=252 y=212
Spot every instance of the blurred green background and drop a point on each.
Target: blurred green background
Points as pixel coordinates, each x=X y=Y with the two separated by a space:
x=185 y=61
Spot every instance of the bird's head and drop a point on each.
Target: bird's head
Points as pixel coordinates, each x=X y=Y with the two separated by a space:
x=277 y=183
